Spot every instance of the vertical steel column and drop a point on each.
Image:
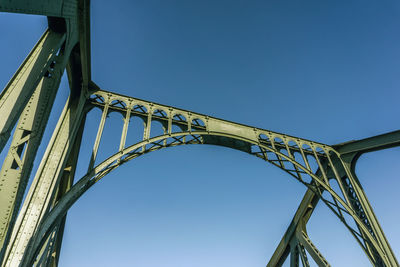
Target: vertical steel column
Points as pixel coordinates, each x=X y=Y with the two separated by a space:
x=98 y=136
x=124 y=133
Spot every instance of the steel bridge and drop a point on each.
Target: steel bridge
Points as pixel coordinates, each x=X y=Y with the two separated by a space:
x=31 y=230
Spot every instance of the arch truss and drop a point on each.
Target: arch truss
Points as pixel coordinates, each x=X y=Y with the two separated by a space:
x=31 y=230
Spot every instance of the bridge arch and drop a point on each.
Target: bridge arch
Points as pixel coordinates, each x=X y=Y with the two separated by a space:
x=312 y=164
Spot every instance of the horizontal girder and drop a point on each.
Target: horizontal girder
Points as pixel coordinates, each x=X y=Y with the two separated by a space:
x=370 y=144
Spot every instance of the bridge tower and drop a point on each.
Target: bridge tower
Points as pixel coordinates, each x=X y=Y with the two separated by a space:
x=31 y=230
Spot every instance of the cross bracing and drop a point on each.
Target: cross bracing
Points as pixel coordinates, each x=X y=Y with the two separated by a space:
x=33 y=236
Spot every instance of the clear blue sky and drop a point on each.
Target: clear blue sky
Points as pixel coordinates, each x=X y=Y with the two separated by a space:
x=326 y=71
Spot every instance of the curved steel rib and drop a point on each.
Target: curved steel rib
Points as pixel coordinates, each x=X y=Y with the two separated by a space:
x=313 y=164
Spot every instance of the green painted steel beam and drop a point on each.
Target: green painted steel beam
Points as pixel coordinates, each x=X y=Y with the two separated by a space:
x=43 y=213
x=20 y=88
x=277 y=149
x=302 y=215
x=49 y=8
x=374 y=143
x=51 y=255
x=45 y=182
x=18 y=163
x=72 y=18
